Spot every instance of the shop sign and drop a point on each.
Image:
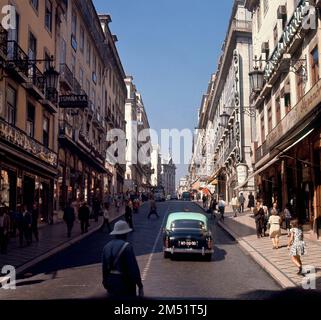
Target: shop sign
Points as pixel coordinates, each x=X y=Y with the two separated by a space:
x=21 y=140
x=242 y=173
x=311 y=100
x=79 y=101
x=296 y=22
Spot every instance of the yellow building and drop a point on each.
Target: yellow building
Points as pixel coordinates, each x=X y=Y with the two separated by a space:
x=28 y=109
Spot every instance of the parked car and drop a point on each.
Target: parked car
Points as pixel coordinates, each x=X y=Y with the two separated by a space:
x=187 y=232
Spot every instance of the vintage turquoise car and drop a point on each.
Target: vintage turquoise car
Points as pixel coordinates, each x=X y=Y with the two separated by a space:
x=188 y=232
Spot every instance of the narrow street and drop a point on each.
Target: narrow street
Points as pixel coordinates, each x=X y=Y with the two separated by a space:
x=75 y=273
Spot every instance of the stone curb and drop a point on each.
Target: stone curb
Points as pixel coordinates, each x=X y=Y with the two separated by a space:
x=61 y=247
x=275 y=273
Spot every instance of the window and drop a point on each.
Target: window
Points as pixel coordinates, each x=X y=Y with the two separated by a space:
x=74 y=30
x=259 y=18
x=88 y=87
x=315 y=65
x=300 y=84
x=275 y=35
x=262 y=129
x=278 y=110
x=266 y=6
x=45 y=131
x=32 y=51
x=82 y=39
x=47 y=60
x=35 y=4
x=287 y=102
x=30 y=128
x=48 y=15
x=81 y=76
x=11 y=105
x=269 y=118
x=88 y=54
x=73 y=65
x=63 y=51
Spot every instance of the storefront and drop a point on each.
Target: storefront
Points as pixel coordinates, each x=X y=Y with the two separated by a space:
x=28 y=171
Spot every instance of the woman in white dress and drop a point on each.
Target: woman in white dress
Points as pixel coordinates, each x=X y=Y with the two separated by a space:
x=275 y=229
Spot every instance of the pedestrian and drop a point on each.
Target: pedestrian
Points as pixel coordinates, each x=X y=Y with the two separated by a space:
x=83 y=216
x=69 y=218
x=265 y=219
x=235 y=205
x=34 y=225
x=251 y=202
x=25 y=225
x=221 y=208
x=129 y=213
x=204 y=199
x=241 y=202
x=96 y=208
x=274 y=209
x=296 y=244
x=259 y=216
x=287 y=218
x=152 y=208
x=4 y=229
x=121 y=274
x=275 y=229
x=106 y=216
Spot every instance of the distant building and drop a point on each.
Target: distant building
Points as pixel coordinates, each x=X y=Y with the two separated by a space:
x=156 y=162
x=183 y=185
x=169 y=176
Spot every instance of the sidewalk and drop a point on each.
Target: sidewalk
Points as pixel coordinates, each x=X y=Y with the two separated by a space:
x=276 y=262
x=52 y=239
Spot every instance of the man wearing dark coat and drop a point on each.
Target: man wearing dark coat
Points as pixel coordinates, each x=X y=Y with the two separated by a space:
x=121 y=274
x=83 y=217
x=69 y=218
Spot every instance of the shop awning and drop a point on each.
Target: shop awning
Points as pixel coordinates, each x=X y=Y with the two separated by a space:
x=274 y=160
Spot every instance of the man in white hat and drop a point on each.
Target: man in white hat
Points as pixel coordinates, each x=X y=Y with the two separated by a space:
x=121 y=272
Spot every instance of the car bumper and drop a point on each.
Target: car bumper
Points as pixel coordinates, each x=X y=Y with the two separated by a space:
x=196 y=251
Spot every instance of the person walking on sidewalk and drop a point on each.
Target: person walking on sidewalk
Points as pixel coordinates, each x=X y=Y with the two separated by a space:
x=106 y=216
x=69 y=218
x=129 y=213
x=259 y=216
x=25 y=230
x=287 y=218
x=83 y=216
x=221 y=208
x=265 y=219
x=235 y=205
x=96 y=208
x=251 y=202
x=296 y=244
x=241 y=201
x=275 y=229
x=121 y=274
x=34 y=224
x=152 y=208
x=4 y=229
x=204 y=199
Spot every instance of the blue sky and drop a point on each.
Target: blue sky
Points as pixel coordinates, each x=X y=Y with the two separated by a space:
x=171 y=47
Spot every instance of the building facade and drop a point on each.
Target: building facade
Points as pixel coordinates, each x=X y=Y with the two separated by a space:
x=183 y=186
x=138 y=151
x=168 y=177
x=28 y=107
x=222 y=156
x=156 y=166
x=286 y=49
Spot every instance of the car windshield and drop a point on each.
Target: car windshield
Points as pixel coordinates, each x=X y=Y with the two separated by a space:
x=188 y=224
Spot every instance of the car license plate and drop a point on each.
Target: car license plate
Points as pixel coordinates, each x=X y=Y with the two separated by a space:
x=188 y=243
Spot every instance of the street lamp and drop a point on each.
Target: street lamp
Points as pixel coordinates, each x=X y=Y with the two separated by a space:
x=224 y=119
x=256 y=79
x=51 y=79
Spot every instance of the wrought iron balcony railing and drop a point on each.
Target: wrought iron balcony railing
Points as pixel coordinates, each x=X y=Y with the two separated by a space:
x=36 y=78
x=17 y=58
x=66 y=75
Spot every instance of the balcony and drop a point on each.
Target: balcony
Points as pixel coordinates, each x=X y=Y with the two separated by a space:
x=66 y=130
x=36 y=82
x=17 y=62
x=260 y=152
x=3 y=43
x=241 y=25
x=66 y=77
